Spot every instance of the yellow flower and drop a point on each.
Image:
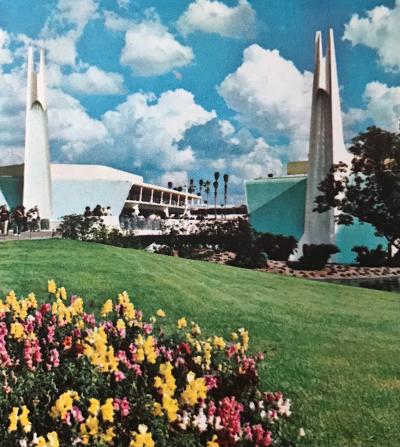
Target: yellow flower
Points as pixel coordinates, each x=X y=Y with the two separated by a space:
x=109 y=435
x=219 y=342
x=244 y=335
x=17 y=330
x=234 y=336
x=53 y=439
x=107 y=308
x=107 y=410
x=63 y=293
x=160 y=313
x=64 y=404
x=51 y=286
x=24 y=421
x=41 y=442
x=182 y=323
x=142 y=439
x=213 y=442
x=195 y=389
x=157 y=409
x=94 y=407
x=22 y=418
x=92 y=424
x=170 y=405
x=13 y=418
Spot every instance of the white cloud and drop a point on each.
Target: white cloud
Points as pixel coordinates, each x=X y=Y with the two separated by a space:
x=259 y=162
x=95 y=81
x=123 y=3
x=150 y=49
x=115 y=22
x=5 y=53
x=382 y=108
x=148 y=129
x=178 y=178
x=69 y=122
x=61 y=50
x=271 y=95
x=211 y=16
x=379 y=30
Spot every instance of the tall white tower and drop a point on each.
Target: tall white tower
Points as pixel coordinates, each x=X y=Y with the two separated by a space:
x=37 y=177
x=326 y=145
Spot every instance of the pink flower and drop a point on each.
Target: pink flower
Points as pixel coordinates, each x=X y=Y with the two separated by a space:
x=229 y=412
x=119 y=376
x=54 y=358
x=77 y=414
x=147 y=328
x=211 y=382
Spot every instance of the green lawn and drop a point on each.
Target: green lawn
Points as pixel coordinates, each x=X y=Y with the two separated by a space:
x=334 y=350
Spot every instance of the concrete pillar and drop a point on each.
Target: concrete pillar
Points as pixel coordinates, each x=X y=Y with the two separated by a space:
x=170 y=198
x=162 y=196
x=152 y=195
x=141 y=194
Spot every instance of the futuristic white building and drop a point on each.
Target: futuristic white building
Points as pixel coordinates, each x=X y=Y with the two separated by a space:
x=62 y=189
x=284 y=205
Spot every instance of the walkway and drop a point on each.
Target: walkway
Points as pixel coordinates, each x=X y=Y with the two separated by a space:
x=30 y=235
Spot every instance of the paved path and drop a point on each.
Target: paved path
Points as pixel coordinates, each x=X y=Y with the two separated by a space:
x=29 y=235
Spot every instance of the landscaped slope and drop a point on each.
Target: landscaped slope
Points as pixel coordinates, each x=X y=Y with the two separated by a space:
x=335 y=350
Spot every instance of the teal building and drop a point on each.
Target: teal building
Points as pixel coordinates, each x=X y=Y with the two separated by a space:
x=277 y=205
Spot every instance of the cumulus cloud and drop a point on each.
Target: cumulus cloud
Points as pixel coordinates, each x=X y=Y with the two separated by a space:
x=382 y=108
x=379 y=30
x=271 y=95
x=178 y=178
x=5 y=53
x=149 y=129
x=150 y=49
x=212 y=16
x=95 y=81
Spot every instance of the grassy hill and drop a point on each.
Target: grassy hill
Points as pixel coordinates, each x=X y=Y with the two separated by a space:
x=334 y=350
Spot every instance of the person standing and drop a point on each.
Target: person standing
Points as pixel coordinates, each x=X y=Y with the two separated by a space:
x=18 y=220
x=35 y=219
x=4 y=220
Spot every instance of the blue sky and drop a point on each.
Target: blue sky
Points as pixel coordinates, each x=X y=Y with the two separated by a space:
x=180 y=88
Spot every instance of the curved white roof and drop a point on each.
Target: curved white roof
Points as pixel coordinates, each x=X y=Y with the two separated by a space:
x=92 y=172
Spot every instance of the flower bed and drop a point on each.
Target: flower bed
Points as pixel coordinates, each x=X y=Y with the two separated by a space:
x=68 y=379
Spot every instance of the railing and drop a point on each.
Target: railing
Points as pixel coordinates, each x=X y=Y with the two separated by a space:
x=138 y=223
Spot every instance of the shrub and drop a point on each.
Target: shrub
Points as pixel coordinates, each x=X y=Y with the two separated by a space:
x=277 y=247
x=376 y=257
x=76 y=226
x=70 y=379
x=314 y=256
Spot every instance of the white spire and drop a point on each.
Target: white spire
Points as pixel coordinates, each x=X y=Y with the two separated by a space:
x=326 y=142
x=37 y=181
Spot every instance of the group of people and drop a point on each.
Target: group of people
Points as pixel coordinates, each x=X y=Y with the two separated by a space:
x=19 y=220
x=97 y=211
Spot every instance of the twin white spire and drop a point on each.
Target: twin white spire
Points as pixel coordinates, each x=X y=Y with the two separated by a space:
x=326 y=145
x=37 y=176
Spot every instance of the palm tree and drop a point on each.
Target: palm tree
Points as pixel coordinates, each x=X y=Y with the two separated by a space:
x=226 y=180
x=215 y=197
x=216 y=177
x=207 y=189
x=191 y=186
x=201 y=183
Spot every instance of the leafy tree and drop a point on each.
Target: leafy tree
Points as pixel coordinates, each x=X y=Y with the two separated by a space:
x=368 y=189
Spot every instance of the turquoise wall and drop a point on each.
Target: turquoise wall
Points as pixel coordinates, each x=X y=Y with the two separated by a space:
x=71 y=196
x=11 y=190
x=277 y=205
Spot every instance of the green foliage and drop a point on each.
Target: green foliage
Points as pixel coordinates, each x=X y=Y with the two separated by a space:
x=78 y=227
x=314 y=256
x=374 y=257
x=368 y=189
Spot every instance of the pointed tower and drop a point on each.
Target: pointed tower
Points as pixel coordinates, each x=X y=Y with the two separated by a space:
x=37 y=180
x=326 y=142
